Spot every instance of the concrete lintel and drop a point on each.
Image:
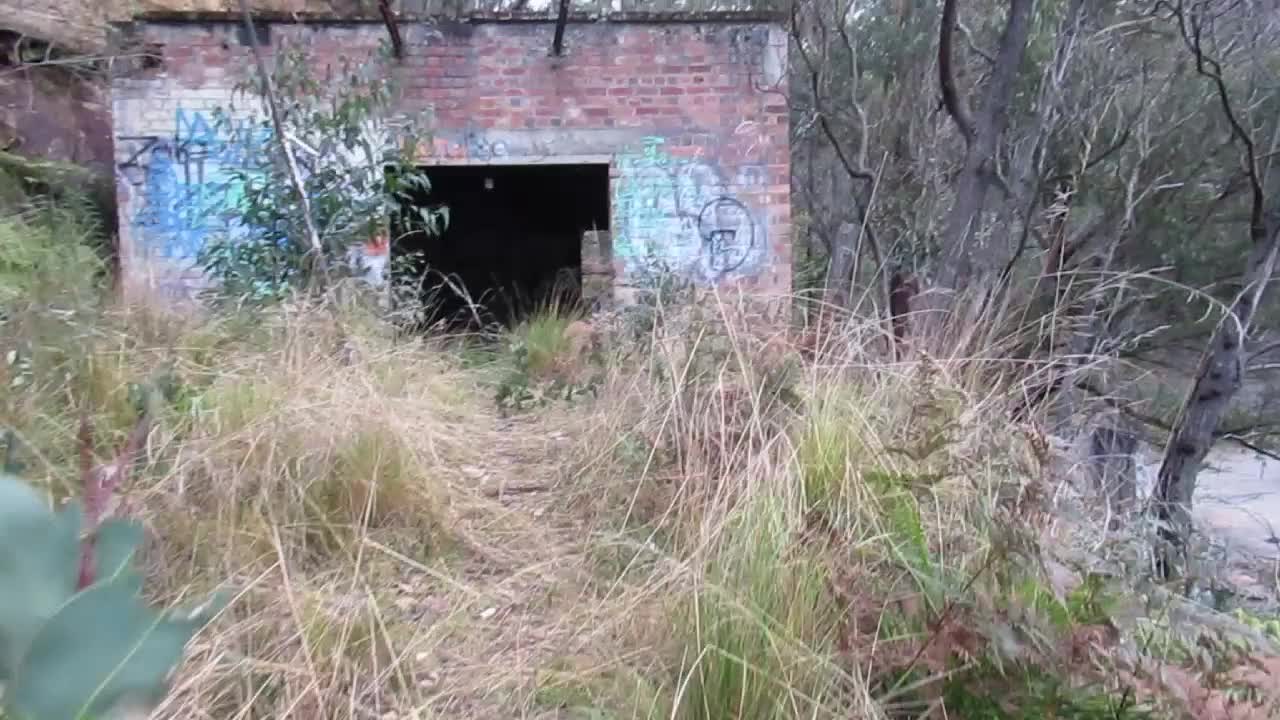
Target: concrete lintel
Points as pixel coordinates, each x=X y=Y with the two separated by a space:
x=517 y=160
x=635 y=17
x=491 y=146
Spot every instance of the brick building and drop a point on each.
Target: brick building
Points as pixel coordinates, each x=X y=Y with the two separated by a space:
x=658 y=141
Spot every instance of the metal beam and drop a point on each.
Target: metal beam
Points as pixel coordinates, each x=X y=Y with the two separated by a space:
x=557 y=44
x=389 y=18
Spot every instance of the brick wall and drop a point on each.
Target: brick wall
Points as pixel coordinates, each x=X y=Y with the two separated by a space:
x=689 y=115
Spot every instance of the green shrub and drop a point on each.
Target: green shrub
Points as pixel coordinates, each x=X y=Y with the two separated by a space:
x=47 y=260
x=548 y=361
x=354 y=167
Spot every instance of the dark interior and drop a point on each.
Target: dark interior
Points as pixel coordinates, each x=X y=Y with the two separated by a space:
x=514 y=236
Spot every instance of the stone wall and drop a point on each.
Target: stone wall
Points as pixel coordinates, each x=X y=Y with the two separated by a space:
x=690 y=115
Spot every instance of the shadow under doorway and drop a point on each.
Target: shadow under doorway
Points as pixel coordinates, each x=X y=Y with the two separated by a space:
x=514 y=239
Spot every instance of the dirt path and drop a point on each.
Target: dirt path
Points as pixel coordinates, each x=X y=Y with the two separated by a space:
x=523 y=613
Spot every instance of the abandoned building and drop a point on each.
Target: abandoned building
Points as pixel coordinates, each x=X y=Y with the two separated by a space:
x=647 y=141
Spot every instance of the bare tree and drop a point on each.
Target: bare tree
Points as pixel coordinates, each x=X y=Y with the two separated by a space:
x=813 y=36
x=1218 y=377
x=981 y=132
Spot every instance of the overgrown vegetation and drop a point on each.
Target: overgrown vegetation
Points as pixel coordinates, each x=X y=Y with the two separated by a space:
x=732 y=524
x=689 y=508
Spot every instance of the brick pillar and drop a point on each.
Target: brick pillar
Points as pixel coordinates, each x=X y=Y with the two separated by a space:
x=597 y=269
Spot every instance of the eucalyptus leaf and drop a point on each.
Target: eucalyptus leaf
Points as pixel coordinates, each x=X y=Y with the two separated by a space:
x=39 y=555
x=102 y=650
x=115 y=543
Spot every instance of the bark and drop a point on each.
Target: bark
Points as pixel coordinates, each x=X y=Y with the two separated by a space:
x=1216 y=382
x=842 y=263
x=903 y=288
x=982 y=135
x=393 y=29
x=1113 y=469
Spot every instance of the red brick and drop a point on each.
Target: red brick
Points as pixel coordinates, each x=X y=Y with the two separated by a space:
x=685 y=82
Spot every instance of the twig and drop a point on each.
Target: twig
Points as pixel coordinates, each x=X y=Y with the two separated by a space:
x=1155 y=422
x=943 y=618
x=518 y=489
x=98 y=484
x=1251 y=446
x=318 y=263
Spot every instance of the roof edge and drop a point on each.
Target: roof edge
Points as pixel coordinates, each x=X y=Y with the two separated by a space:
x=682 y=17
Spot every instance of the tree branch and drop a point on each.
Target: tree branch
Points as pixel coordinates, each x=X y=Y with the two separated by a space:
x=1162 y=425
x=318 y=262
x=973 y=46
x=951 y=99
x=815 y=81
x=1192 y=32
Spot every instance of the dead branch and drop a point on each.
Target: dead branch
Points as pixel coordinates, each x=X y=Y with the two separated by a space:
x=1192 y=31
x=516 y=489
x=317 y=262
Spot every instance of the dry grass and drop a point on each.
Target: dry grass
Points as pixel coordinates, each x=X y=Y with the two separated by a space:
x=730 y=527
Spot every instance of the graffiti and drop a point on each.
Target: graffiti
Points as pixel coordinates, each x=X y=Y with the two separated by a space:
x=444 y=149
x=728 y=235
x=752 y=176
x=681 y=212
x=187 y=185
x=480 y=147
x=191 y=186
x=473 y=145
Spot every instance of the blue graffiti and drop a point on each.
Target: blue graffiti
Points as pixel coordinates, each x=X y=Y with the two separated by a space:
x=193 y=183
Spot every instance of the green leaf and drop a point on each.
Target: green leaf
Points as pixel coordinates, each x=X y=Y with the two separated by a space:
x=39 y=554
x=103 y=650
x=114 y=545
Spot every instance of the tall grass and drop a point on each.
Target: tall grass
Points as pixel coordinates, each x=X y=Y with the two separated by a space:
x=733 y=524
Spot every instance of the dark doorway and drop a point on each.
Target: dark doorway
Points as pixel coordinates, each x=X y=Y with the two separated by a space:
x=514 y=237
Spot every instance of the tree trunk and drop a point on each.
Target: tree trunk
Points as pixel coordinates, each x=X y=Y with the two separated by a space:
x=1216 y=382
x=841 y=265
x=982 y=135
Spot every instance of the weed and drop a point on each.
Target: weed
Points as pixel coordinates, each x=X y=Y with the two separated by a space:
x=760 y=625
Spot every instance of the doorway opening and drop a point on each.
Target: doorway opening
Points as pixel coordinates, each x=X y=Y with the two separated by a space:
x=513 y=242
